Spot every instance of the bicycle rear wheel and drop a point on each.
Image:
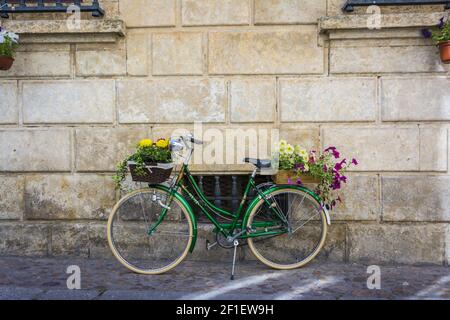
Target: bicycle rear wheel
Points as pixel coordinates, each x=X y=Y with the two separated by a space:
x=302 y=226
x=139 y=242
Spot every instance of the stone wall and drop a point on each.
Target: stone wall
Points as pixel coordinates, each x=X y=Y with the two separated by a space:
x=75 y=102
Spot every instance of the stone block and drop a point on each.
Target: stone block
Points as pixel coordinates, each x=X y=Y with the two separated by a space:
x=147 y=13
x=35 y=150
x=265 y=52
x=177 y=53
x=138 y=54
x=364 y=59
x=289 y=11
x=70 y=239
x=215 y=12
x=360 y=199
x=22 y=239
x=307 y=137
x=433 y=149
x=77 y=101
x=172 y=101
x=100 y=149
x=416 y=198
x=328 y=99
x=40 y=64
x=377 y=149
x=11 y=199
x=68 y=197
x=9 y=110
x=101 y=63
x=253 y=100
x=415 y=99
x=385 y=243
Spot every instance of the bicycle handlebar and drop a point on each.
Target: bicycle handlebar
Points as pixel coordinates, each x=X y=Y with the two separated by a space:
x=191 y=138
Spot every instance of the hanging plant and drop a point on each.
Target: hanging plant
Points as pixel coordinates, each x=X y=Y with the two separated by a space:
x=8 y=43
x=325 y=169
x=441 y=35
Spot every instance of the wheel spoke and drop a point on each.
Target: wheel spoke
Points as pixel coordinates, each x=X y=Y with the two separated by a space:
x=130 y=222
x=291 y=249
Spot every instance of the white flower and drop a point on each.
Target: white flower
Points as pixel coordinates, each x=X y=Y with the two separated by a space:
x=289 y=149
x=11 y=35
x=14 y=37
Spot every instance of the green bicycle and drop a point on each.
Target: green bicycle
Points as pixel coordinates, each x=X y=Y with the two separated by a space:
x=151 y=230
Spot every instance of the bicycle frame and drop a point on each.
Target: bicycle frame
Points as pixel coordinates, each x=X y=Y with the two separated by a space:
x=236 y=229
x=237 y=218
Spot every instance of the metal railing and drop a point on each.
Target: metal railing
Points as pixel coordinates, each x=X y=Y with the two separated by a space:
x=44 y=6
x=350 y=4
x=225 y=191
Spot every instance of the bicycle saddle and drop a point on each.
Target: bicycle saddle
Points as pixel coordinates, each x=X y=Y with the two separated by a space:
x=259 y=163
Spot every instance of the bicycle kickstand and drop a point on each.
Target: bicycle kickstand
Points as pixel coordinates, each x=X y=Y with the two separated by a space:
x=235 y=243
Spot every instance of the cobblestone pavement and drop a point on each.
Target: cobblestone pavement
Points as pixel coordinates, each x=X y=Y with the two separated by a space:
x=45 y=278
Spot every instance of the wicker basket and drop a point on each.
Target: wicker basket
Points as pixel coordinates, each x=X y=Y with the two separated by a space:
x=283 y=176
x=154 y=173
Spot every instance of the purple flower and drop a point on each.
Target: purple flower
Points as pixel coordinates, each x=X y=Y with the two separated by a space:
x=325 y=168
x=336 y=184
x=343 y=179
x=426 y=33
x=340 y=165
x=333 y=151
x=354 y=161
x=289 y=181
x=299 y=182
x=441 y=23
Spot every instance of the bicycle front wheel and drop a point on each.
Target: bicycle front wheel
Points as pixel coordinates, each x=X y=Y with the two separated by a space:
x=298 y=225
x=141 y=240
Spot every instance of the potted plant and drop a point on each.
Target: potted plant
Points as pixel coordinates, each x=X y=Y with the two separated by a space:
x=325 y=169
x=151 y=162
x=8 y=44
x=441 y=35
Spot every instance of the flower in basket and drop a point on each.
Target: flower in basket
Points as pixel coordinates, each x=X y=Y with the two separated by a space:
x=147 y=153
x=327 y=168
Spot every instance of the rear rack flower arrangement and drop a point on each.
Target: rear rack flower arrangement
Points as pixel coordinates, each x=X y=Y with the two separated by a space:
x=441 y=35
x=326 y=169
x=151 y=162
x=8 y=43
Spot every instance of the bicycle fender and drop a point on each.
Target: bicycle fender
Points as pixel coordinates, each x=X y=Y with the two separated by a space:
x=189 y=210
x=287 y=186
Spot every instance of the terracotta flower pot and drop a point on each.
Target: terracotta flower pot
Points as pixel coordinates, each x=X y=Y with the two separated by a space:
x=444 y=48
x=6 y=62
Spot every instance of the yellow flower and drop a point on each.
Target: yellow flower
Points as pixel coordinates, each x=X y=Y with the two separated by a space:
x=289 y=149
x=302 y=153
x=145 y=143
x=162 y=143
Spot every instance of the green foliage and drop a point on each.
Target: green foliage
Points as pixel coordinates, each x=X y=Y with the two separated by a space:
x=7 y=47
x=143 y=155
x=326 y=167
x=442 y=34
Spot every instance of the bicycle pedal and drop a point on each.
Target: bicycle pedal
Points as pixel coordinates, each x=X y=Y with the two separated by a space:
x=209 y=246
